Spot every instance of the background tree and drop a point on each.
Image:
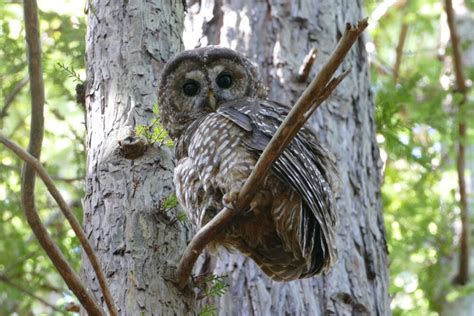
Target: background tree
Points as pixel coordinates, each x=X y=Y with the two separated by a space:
x=417 y=131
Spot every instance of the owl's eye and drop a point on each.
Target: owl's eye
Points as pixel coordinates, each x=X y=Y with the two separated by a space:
x=191 y=88
x=224 y=80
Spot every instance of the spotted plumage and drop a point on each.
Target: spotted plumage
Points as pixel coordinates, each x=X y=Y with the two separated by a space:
x=214 y=106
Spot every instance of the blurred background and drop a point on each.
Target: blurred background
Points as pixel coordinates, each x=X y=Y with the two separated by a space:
x=418 y=118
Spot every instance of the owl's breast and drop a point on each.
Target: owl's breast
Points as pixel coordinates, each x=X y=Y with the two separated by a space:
x=218 y=153
x=216 y=163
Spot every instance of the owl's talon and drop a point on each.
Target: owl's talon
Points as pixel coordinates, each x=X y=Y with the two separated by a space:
x=261 y=201
x=230 y=199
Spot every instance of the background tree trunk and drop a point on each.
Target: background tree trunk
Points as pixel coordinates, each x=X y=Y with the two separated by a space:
x=127 y=42
x=463 y=305
x=277 y=35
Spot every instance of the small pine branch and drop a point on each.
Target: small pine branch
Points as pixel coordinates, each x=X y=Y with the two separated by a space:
x=154 y=132
x=215 y=286
x=70 y=73
x=208 y=310
x=169 y=202
x=181 y=216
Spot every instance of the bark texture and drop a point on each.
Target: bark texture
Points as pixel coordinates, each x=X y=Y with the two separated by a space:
x=277 y=35
x=127 y=43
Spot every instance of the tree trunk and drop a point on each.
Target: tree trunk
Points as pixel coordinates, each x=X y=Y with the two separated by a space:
x=127 y=42
x=463 y=305
x=277 y=35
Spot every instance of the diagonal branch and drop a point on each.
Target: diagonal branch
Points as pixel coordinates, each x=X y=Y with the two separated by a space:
x=399 y=51
x=402 y=36
x=12 y=95
x=5 y=279
x=30 y=10
x=311 y=98
x=76 y=226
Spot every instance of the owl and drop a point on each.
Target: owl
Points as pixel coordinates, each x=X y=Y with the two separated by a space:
x=214 y=106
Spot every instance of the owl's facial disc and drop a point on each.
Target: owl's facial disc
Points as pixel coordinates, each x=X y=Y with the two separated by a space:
x=197 y=82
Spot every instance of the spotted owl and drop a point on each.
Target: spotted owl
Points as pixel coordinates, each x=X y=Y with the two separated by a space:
x=215 y=108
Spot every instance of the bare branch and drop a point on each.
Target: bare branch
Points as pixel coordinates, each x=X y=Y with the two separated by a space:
x=308 y=63
x=11 y=97
x=42 y=173
x=30 y=8
x=462 y=276
x=457 y=55
x=307 y=103
x=5 y=279
x=402 y=36
x=399 y=51
x=68 y=180
x=61 y=117
x=332 y=85
x=19 y=262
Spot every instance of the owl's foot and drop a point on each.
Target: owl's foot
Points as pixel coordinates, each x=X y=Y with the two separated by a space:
x=261 y=201
x=230 y=199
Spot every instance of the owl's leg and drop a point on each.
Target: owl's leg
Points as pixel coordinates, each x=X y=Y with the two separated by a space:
x=230 y=198
x=261 y=201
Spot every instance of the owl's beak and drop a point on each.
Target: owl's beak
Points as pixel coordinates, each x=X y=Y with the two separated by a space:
x=212 y=100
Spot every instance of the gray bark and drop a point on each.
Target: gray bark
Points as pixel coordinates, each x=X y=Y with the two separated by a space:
x=277 y=35
x=127 y=43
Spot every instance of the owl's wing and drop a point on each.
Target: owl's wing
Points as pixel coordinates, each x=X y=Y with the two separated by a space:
x=305 y=165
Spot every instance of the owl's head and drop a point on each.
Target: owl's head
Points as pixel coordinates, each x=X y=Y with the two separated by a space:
x=196 y=82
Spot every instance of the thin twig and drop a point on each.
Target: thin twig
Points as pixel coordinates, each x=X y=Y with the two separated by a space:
x=399 y=51
x=402 y=36
x=76 y=227
x=12 y=95
x=73 y=281
x=5 y=279
x=19 y=262
x=299 y=114
x=68 y=180
x=331 y=86
x=308 y=63
x=462 y=276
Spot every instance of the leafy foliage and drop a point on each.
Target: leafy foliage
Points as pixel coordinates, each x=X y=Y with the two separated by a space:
x=216 y=285
x=169 y=202
x=71 y=73
x=154 y=132
x=417 y=131
x=22 y=261
x=212 y=286
x=208 y=310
